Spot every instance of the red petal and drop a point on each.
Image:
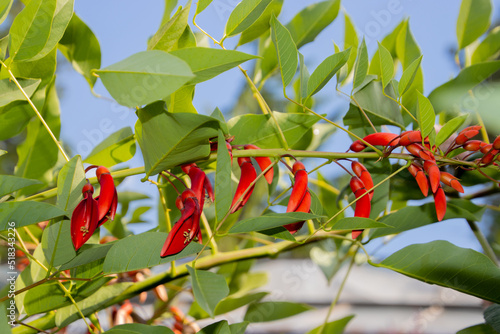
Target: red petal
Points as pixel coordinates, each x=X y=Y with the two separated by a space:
x=299 y=190
x=107 y=194
x=248 y=175
x=440 y=203
x=83 y=221
x=364 y=175
x=434 y=174
x=304 y=206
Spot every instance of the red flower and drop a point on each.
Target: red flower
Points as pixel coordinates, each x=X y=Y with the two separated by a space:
x=300 y=199
x=84 y=219
x=108 y=198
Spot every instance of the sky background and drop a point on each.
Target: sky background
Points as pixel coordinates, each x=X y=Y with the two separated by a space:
x=123 y=28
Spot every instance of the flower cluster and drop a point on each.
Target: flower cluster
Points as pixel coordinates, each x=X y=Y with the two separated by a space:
x=92 y=212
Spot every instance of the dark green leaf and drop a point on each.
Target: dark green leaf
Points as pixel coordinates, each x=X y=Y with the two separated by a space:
x=244 y=15
x=142 y=251
x=270 y=311
x=352 y=223
x=80 y=46
x=260 y=130
x=411 y=217
x=286 y=51
x=238 y=328
x=168 y=139
x=27 y=213
x=492 y=316
x=220 y=327
x=449 y=96
x=14 y=118
x=261 y=25
x=139 y=329
x=207 y=63
x=449 y=128
x=380 y=109
x=270 y=220
x=334 y=327
x=442 y=263
x=88 y=254
x=43 y=68
x=361 y=66
x=9 y=184
x=325 y=71
x=117 y=147
x=473 y=20
x=168 y=34
x=208 y=288
x=478 y=329
x=45 y=297
x=56 y=242
x=223 y=195
x=5 y=327
x=10 y=92
x=145 y=77
x=70 y=182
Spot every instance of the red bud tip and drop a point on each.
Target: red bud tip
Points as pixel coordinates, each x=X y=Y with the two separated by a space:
x=101 y=170
x=298 y=166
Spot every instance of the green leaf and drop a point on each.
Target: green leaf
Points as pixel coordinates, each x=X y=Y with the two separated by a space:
x=44 y=298
x=14 y=118
x=142 y=251
x=426 y=116
x=27 y=213
x=286 y=51
x=80 y=46
x=220 y=327
x=408 y=76
x=442 y=263
x=478 y=329
x=10 y=92
x=261 y=25
x=5 y=6
x=244 y=15
x=165 y=39
x=10 y=183
x=309 y=22
x=31 y=274
x=38 y=154
x=217 y=114
x=70 y=182
x=208 y=289
x=448 y=96
x=117 y=147
x=380 y=109
x=334 y=327
x=488 y=48
x=492 y=316
x=355 y=223
x=351 y=40
x=473 y=20
x=270 y=220
x=386 y=65
x=207 y=63
x=88 y=254
x=406 y=47
x=411 y=217
x=201 y=5
x=449 y=128
x=238 y=328
x=56 y=243
x=30 y=30
x=361 y=66
x=144 y=77
x=325 y=71
x=327 y=257
x=181 y=100
x=303 y=77
x=260 y=129
x=231 y=303
x=5 y=327
x=270 y=311
x=223 y=195
x=89 y=305
x=169 y=7
x=139 y=329
x=169 y=140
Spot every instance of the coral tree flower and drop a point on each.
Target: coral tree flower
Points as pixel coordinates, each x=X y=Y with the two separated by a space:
x=300 y=199
x=84 y=219
x=187 y=227
x=107 y=200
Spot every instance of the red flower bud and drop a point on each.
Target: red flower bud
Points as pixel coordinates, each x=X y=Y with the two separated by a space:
x=107 y=200
x=248 y=176
x=363 y=205
x=263 y=162
x=364 y=175
x=419 y=175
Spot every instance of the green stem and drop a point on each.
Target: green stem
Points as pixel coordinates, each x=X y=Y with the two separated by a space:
x=13 y=78
x=48 y=321
x=488 y=251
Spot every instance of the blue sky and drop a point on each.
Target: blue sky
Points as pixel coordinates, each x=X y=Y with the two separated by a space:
x=123 y=28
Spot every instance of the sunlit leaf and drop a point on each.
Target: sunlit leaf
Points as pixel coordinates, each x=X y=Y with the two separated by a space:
x=26 y=213
x=285 y=49
x=473 y=20
x=361 y=65
x=449 y=128
x=325 y=71
x=168 y=34
x=261 y=25
x=208 y=288
x=244 y=15
x=117 y=147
